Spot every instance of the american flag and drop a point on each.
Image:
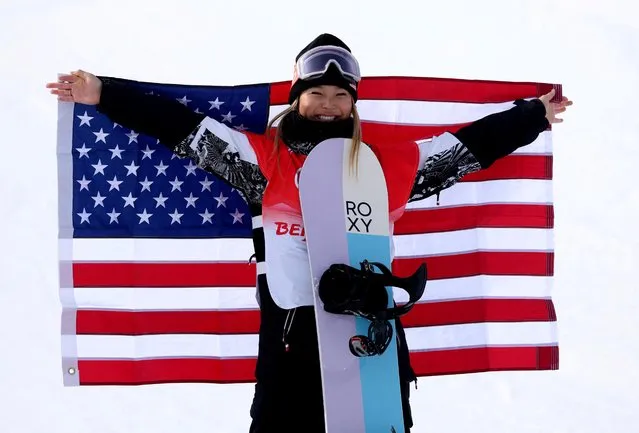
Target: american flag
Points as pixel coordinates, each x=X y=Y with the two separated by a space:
x=156 y=284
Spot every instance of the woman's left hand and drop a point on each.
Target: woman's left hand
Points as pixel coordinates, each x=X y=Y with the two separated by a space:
x=554 y=108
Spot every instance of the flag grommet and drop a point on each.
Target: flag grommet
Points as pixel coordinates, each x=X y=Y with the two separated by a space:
x=71 y=371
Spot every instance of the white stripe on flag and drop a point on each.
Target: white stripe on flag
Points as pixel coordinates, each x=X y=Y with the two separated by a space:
x=484 y=286
x=480 y=239
x=542 y=145
x=417 y=112
x=162 y=250
x=225 y=250
x=515 y=191
x=482 y=334
x=242 y=298
x=233 y=346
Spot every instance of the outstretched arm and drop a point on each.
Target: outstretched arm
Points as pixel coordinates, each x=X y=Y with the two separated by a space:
x=161 y=118
x=500 y=134
x=122 y=102
x=214 y=147
x=448 y=157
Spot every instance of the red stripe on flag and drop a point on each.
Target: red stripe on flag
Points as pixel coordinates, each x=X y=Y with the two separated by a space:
x=515 y=167
x=242 y=370
x=440 y=362
x=240 y=274
x=243 y=275
x=479 y=263
x=152 y=371
x=100 y=322
x=479 y=310
x=167 y=322
x=469 y=217
x=396 y=133
x=433 y=89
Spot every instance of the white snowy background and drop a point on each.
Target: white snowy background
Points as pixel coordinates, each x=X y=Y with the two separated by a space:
x=591 y=47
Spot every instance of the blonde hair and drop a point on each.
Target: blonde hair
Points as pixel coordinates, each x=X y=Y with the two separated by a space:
x=356 y=138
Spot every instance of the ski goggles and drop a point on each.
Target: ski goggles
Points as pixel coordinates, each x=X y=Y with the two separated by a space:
x=315 y=62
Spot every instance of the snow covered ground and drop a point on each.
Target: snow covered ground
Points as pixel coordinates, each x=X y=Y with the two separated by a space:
x=589 y=46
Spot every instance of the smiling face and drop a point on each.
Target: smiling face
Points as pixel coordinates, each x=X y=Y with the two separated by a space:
x=325 y=103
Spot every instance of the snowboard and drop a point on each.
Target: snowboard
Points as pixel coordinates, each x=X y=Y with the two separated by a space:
x=346 y=220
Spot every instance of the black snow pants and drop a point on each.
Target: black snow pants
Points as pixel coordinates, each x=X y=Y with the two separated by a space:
x=288 y=392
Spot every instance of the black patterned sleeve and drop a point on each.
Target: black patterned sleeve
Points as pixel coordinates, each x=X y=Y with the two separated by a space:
x=443 y=160
x=226 y=153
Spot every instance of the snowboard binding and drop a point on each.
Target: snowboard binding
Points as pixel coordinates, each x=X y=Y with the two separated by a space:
x=362 y=292
x=380 y=333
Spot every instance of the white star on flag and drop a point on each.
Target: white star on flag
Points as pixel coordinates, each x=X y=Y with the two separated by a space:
x=113 y=216
x=246 y=105
x=84 y=183
x=83 y=151
x=99 y=167
x=175 y=217
x=132 y=169
x=115 y=183
x=237 y=216
x=148 y=152
x=101 y=136
x=206 y=216
x=133 y=136
x=184 y=101
x=161 y=168
x=144 y=217
x=160 y=201
x=129 y=200
x=176 y=184
x=85 y=119
x=99 y=200
x=190 y=169
x=206 y=184
x=146 y=184
x=216 y=104
x=228 y=117
x=221 y=200
x=84 y=216
x=190 y=200
x=116 y=152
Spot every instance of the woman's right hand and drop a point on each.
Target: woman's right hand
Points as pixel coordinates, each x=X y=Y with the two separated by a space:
x=79 y=86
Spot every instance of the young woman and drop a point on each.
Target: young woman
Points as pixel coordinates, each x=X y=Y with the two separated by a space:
x=288 y=392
